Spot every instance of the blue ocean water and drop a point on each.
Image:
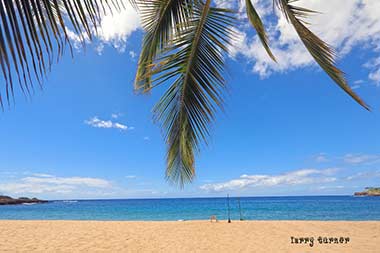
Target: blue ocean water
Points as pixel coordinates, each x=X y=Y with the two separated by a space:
x=252 y=208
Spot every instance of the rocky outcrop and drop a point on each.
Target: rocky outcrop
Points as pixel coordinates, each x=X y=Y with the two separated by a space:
x=6 y=200
x=369 y=191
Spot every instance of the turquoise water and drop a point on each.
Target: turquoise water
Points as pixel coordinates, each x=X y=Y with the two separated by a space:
x=252 y=208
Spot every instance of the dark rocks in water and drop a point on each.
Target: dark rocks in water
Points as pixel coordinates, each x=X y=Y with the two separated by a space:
x=6 y=200
x=369 y=191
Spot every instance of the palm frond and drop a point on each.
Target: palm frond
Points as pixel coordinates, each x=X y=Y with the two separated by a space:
x=323 y=54
x=33 y=34
x=160 y=19
x=256 y=22
x=188 y=106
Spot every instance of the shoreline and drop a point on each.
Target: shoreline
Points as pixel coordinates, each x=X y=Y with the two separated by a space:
x=203 y=197
x=189 y=236
x=199 y=220
x=289 y=208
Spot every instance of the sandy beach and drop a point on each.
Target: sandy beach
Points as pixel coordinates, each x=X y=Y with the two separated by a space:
x=188 y=236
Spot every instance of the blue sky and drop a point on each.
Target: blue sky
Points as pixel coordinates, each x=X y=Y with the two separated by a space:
x=286 y=129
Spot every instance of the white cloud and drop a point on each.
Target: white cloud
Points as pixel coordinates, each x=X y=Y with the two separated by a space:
x=86 y=181
x=42 y=175
x=299 y=177
x=146 y=138
x=374 y=66
x=47 y=184
x=98 y=123
x=99 y=49
x=114 y=30
x=76 y=39
x=358 y=82
x=131 y=177
x=321 y=158
x=224 y=3
x=116 y=115
x=375 y=76
x=364 y=175
x=343 y=25
x=357 y=159
x=329 y=187
x=132 y=54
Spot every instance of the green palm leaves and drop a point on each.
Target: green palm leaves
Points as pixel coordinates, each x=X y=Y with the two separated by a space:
x=195 y=61
x=33 y=35
x=255 y=20
x=184 y=46
x=160 y=20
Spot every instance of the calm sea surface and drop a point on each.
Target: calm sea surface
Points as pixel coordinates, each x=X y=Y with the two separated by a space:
x=252 y=208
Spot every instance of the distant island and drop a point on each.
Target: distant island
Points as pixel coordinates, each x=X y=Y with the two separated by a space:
x=6 y=200
x=369 y=191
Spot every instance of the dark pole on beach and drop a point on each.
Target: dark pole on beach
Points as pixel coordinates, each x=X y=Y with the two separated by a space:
x=241 y=217
x=228 y=204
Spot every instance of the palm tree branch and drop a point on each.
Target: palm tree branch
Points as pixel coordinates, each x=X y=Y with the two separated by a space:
x=188 y=106
x=323 y=54
x=159 y=19
x=256 y=22
x=33 y=31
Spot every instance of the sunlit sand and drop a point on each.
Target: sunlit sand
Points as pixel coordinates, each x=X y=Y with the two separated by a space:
x=187 y=236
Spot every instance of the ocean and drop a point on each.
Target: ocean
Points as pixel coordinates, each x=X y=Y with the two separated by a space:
x=251 y=208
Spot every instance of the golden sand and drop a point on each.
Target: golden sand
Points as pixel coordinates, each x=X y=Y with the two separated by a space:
x=188 y=236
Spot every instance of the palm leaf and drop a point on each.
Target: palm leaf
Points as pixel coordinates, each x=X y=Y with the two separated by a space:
x=255 y=20
x=323 y=54
x=159 y=19
x=195 y=62
x=33 y=34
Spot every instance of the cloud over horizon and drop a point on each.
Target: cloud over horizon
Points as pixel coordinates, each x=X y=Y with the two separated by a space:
x=298 y=177
x=356 y=159
x=50 y=184
x=364 y=175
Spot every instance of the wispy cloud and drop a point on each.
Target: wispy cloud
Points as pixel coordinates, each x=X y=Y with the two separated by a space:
x=132 y=54
x=42 y=175
x=356 y=159
x=359 y=81
x=374 y=66
x=299 y=177
x=330 y=187
x=99 y=123
x=131 y=177
x=86 y=181
x=364 y=175
x=352 y=159
x=47 y=184
x=321 y=158
x=116 y=115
